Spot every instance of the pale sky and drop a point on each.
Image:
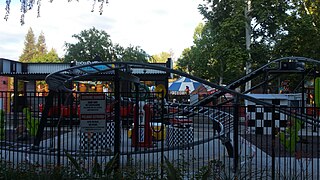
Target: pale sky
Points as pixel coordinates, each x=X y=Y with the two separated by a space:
x=154 y=25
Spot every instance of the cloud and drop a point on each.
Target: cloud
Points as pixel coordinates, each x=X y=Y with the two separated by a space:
x=154 y=25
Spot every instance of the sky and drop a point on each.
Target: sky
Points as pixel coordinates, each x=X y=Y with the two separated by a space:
x=154 y=25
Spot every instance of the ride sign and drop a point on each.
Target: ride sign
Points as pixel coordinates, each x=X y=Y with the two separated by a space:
x=93 y=112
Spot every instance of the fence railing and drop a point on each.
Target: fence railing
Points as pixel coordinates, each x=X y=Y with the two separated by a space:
x=257 y=142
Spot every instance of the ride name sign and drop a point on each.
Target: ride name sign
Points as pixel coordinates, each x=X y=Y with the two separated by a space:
x=93 y=112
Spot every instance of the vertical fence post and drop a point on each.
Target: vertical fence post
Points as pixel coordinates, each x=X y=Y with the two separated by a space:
x=136 y=115
x=162 y=130
x=273 y=143
x=117 y=119
x=236 y=107
x=59 y=143
x=15 y=103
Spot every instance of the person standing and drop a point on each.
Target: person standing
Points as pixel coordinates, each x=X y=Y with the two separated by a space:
x=187 y=90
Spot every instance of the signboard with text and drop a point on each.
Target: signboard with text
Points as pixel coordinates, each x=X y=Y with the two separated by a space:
x=93 y=112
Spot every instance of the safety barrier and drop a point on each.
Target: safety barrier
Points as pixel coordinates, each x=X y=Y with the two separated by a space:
x=192 y=140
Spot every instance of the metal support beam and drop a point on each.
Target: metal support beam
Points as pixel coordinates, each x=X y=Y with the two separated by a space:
x=43 y=120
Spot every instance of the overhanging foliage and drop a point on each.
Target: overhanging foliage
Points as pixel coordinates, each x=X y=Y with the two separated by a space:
x=27 y=5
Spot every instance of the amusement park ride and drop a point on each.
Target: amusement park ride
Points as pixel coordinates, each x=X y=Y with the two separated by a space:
x=129 y=123
x=145 y=110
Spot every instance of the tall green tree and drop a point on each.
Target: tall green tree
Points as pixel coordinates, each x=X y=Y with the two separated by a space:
x=134 y=54
x=90 y=44
x=196 y=59
x=51 y=56
x=160 y=58
x=183 y=60
x=300 y=32
x=41 y=46
x=279 y=28
x=29 y=49
x=285 y=28
x=37 y=52
x=225 y=30
x=94 y=43
x=219 y=52
x=312 y=8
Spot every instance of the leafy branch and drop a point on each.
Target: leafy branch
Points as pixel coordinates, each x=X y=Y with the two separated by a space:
x=27 y=5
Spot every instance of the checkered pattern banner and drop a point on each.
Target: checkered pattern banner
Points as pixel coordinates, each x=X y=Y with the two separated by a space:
x=259 y=118
x=179 y=136
x=98 y=141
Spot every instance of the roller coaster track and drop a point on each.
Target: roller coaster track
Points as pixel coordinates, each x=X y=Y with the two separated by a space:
x=58 y=82
x=251 y=76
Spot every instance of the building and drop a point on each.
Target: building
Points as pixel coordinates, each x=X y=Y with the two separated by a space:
x=19 y=78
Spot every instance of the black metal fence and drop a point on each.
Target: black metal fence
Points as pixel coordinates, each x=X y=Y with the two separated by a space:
x=228 y=142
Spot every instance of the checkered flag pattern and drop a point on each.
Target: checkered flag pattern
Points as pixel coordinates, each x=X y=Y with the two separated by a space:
x=259 y=118
x=98 y=141
x=179 y=136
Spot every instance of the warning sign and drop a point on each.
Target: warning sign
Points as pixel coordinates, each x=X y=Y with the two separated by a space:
x=92 y=104
x=93 y=113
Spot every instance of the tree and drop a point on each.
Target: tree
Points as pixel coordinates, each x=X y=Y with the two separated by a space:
x=160 y=58
x=41 y=45
x=134 y=54
x=183 y=60
x=51 y=56
x=218 y=53
x=94 y=43
x=300 y=32
x=37 y=52
x=279 y=28
x=285 y=28
x=29 y=50
x=196 y=59
x=312 y=8
x=91 y=43
x=27 y=5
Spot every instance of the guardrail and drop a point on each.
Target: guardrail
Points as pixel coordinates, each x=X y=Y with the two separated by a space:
x=190 y=139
